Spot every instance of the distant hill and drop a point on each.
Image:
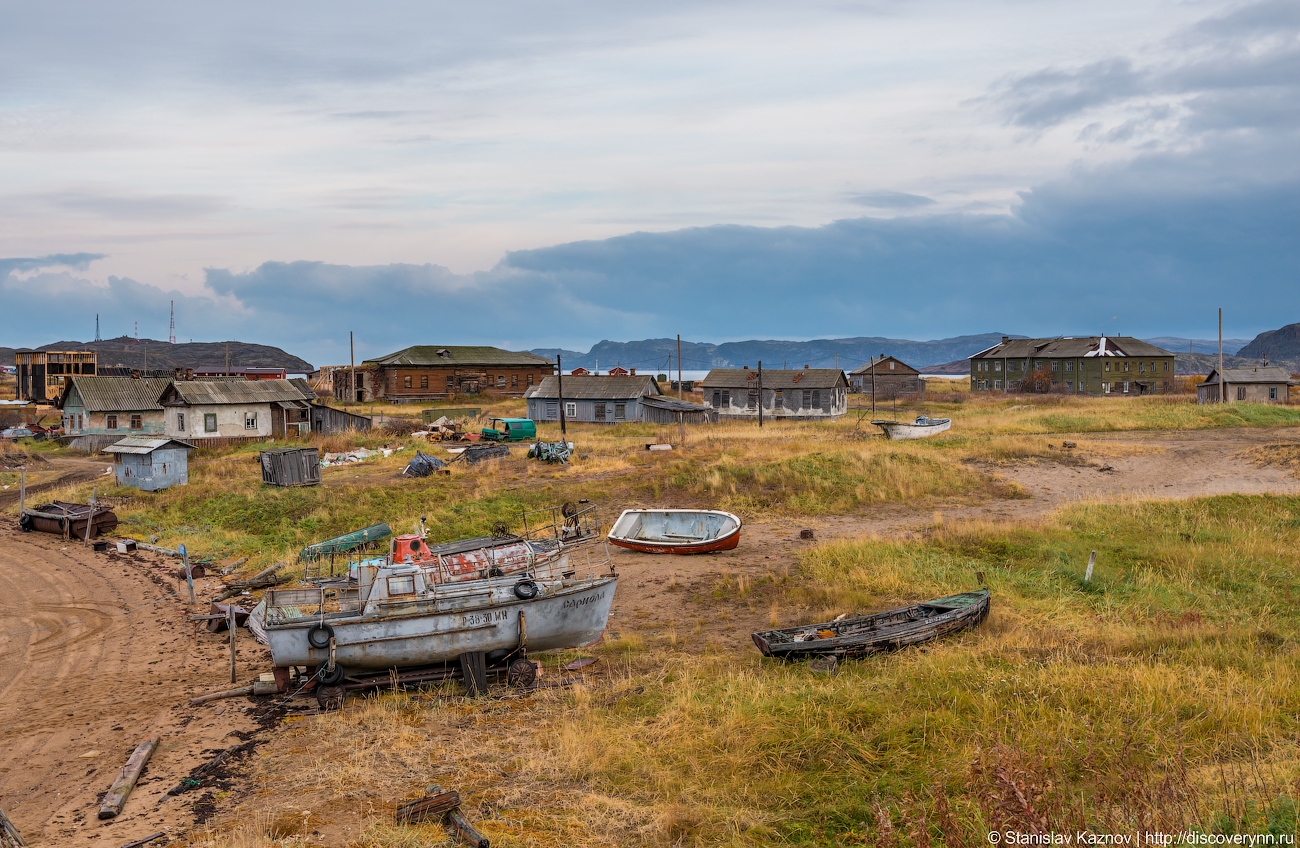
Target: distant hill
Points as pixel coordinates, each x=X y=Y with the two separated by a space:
x=125 y=350
x=1175 y=344
x=1275 y=345
x=819 y=353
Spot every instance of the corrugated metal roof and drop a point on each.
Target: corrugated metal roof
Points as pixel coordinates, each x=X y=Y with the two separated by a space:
x=207 y=392
x=1263 y=374
x=143 y=444
x=866 y=368
x=1068 y=348
x=460 y=355
x=598 y=388
x=117 y=394
x=808 y=378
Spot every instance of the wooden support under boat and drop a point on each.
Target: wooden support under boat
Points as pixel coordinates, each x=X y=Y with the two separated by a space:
x=9 y=837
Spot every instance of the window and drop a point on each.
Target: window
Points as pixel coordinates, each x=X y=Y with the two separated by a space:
x=250 y=420
x=1166 y=365
x=514 y=381
x=210 y=423
x=79 y=421
x=1126 y=382
x=726 y=398
x=807 y=398
x=1055 y=365
x=1241 y=393
x=778 y=399
x=530 y=379
x=997 y=384
x=997 y=366
x=1069 y=365
x=571 y=409
x=1272 y=392
x=600 y=412
x=501 y=381
x=180 y=421
x=816 y=399
x=752 y=400
x=404 y=585
x=137 y=422
x=1142 y=367
x=891 y=366
x=1105 y=388
x=451 y=382
x=424 y=381
x=552 y=409
x=406 y=381
x=717 y=399
x=1069 y=385
x=1126 y=365
x=110 y=422
x=620 y=412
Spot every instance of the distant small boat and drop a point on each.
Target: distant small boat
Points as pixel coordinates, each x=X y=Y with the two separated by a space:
x=918 y=429
x=676 y=531
x=880 y=632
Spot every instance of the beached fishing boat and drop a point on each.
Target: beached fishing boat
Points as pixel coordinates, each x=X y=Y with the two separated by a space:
x=57 y=516
x=398 y=617
x=921 y=428
x=880 y=632
x=676 y=531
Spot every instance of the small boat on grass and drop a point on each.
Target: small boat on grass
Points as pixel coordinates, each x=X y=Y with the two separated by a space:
x=882 y=631
x=676 y=531
x=921 y=428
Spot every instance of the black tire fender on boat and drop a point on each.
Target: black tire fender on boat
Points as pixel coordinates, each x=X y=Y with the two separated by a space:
x=319 y=635
x=526 y=590
x=324 y=676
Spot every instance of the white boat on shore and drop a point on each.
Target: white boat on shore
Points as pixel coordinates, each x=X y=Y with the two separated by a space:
x=921 y=428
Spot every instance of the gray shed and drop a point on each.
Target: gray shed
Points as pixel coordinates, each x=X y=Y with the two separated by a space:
x=150 y=464
x=290 y=467
x=328 y=421
x=1262 y=384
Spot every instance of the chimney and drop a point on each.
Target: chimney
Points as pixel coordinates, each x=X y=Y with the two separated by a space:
x=746 y=367
x=633 y=372
x=1006 y=339
x=189 y=373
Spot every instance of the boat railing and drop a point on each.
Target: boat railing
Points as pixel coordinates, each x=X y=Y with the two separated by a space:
x=570 y=523
x=594 y=564
x=304 y=603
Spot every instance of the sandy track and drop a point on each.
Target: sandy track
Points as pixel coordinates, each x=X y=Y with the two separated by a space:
x=96 y=679
x=72 y=470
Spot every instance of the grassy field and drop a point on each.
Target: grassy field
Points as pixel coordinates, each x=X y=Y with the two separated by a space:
x=1162 y=695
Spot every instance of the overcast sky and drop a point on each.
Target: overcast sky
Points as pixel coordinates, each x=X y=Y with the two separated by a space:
x=552 y=174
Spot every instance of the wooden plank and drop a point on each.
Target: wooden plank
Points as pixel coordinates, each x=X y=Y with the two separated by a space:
x=127 y=777
x=216 y=696
x=9 y=837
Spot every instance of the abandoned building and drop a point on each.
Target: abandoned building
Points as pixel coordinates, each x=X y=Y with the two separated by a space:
x=1092 y=365
x=889 y=377
x=41 y=372
x=428 y=372
x=595 y=400
x=812 y=394
x=1264 y=384
x=237 y=409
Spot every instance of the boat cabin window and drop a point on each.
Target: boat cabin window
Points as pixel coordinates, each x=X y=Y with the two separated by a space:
x=404 y=585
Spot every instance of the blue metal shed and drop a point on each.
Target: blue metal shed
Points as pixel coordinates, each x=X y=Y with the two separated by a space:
x=150 y=464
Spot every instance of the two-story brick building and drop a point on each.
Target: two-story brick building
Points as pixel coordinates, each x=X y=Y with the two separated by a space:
x=429 y=372
x=1092 y=365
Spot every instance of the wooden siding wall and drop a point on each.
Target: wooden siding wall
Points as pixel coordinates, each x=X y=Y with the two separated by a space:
x=1255 y=393
x=887 y=385
x=151 y=472
x=585 y=411
x=96 y=423
x=834 y=403
x=1077 y=375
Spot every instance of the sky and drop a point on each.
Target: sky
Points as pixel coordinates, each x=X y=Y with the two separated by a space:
x=551 y=174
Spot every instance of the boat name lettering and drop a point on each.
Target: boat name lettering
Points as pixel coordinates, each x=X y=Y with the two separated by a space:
x=474 y=619
x=574 y=603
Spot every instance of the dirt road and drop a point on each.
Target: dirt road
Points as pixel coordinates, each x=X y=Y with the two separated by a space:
x=56 y=473
x=91 y=663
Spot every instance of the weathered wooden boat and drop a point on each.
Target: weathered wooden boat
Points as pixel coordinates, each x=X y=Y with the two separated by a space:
x=921 y=428
x=56 y=516
x=676 y=531
x=880 y=632
x=398 y=616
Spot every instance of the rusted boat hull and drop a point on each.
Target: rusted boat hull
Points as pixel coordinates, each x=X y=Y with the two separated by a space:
x=676 y=531
x=883 y=631
x=52 y=517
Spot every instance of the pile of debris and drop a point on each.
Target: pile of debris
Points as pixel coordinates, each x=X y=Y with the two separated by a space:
x=480 y=453
x=553 y=452
x=423 y=465
x=358 y=455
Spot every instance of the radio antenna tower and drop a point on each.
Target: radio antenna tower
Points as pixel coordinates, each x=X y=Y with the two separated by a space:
x=171 y=338
x=97 y=338
x=137 y=332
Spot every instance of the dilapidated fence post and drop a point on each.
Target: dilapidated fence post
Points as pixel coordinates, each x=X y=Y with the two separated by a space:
x=1092 y=560
x=231 y=610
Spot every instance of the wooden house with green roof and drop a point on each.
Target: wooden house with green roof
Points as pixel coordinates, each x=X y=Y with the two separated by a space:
x=429 y=372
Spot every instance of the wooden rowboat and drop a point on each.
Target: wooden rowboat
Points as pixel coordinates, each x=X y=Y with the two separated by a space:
x=52 y=517
x=676 y=531
x=921 y=428
x=880 y=632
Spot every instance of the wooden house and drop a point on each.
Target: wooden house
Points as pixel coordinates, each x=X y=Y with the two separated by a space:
x=811 y=394
x=887 y=376
x=150 y=463
x=428 y=372
x=237 y=409
x=1264 y=384
x=40 y=370
x=105 y=409
x=1093 y=365
x=597 y=400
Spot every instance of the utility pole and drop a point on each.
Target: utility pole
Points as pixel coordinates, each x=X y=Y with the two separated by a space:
x=144 y=371
x=171 y=336
x=352 y=357
x=1223 y=388
x=679 y=366
x=226 y=373
x=559 y=378
x=760 y=394
x=97 y=338
x=873 y=387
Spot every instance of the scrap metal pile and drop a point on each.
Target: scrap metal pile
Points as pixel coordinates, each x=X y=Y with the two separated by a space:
x=423 y=465
x=553 y=452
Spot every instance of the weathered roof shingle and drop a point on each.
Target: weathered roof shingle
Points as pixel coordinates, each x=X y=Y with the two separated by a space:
x=463 y=356
x=1069 y=348
x=597 y=388
x=808 y=378
x=117 y=394
x=208 y=392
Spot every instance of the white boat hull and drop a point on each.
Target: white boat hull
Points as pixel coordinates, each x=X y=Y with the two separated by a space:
x=898 y=431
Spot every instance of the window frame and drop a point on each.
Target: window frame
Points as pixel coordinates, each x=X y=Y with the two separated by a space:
x=620 y=411
x=210 y=422
x=406 y=381
x=137 y=421
x=401 y=581
x=110 y=421
x=570 y=409
x=552 y=410
x=180 y=421
x=250 y=420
